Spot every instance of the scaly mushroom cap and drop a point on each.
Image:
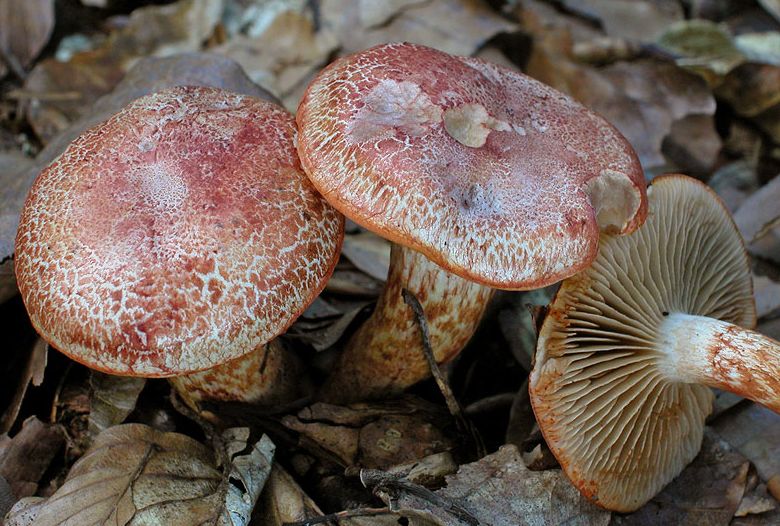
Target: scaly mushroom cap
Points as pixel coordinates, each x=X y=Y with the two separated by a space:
x=179 y=234
x=492 y=175
x=603 y=390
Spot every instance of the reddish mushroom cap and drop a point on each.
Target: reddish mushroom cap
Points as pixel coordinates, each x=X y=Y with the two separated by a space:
x=489 y=173
x=179 y=234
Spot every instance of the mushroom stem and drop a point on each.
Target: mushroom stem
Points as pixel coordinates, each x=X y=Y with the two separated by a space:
x=385 y=355
x=723 y=355
x=269 y=375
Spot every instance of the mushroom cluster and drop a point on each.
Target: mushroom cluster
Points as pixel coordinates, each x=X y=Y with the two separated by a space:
x=480 y=176
x=177 y=236
x=630 y=347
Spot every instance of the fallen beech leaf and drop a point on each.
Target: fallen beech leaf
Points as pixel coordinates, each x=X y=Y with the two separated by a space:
x=499 y=490
x=353 y=283
x=32 y=371
x=134 y=475
x=708 y=491
x=459 y=27
x=284 y=501
x=734 y=182
x=113 y=398
x=147 y=76
x=248 y=474
x=763 y=48
x=282 y=48
x=374 y=435
x=693 y=144
x=702 y=46
x=767 y=294
x=758 y=220
x=150 y=31
x=753 y=430
x=369 y=253
x=637 y=19
x=751 y=88
x=25 y=458
x=25 y=28
x=772 y=7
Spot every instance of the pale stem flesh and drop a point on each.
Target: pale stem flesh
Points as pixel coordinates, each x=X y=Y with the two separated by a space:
x=723 y=355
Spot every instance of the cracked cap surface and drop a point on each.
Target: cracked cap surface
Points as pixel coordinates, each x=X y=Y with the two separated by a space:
x=492 y=175
x=177 y=235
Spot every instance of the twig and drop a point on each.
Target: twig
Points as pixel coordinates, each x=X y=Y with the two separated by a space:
x=346 y=514
x=489 y=403
x=444 y=386
x=449 y=397
x=393 y=484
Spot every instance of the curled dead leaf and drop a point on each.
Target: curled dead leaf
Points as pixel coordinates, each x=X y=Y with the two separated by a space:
x=134 y=474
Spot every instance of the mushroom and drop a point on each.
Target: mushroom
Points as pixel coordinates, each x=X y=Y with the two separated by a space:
x=179 y=235
x=480 y=176
x=630 y=345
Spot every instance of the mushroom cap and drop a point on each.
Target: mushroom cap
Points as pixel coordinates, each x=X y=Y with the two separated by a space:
x=177 y=235
x=492 y=175
x=610 y=409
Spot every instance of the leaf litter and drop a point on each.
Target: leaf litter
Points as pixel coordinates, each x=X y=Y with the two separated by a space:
x=692 y=85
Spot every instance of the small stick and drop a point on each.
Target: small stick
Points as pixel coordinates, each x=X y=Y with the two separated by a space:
x=346 y=514
x=444 y=386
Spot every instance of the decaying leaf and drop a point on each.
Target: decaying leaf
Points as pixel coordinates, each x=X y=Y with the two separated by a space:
x=702 y=46
x=31 y=371
x=369 y=253
x=708 y=491
x=284 y=501
x=248 y=474
x=455 y=26
x=767 y=294
x=636 y=19
x=151 y=31
x=753 y=430
x=374 y=435
x=25 y=458
x=281 y=47
x=113 y=398
x=25 y=27
x=499 y=490
x=135 y=475
x=758 y=220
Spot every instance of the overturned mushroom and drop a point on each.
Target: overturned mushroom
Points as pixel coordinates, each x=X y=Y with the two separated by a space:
x=178 y=235
x=630 y=345
x=482 y=177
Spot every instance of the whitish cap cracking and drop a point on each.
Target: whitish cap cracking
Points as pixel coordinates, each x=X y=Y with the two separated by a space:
x=489 y=173
x=620 y=425
x=177 y=235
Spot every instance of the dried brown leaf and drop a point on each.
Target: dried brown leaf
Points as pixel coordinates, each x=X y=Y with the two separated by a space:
x=282 y=48
x=151 y=31
x=135 y=475
x=375 y=435
x=369 y=253
x=758 y=220
x=25 y=458
x=32 y=372
x=708 y=491
x=637 y=19
x=113 y=398
x=25 y=28
x=753 y=430
x=767 y=294
x=459 y=27
x=284 y=501
x=499 y=490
